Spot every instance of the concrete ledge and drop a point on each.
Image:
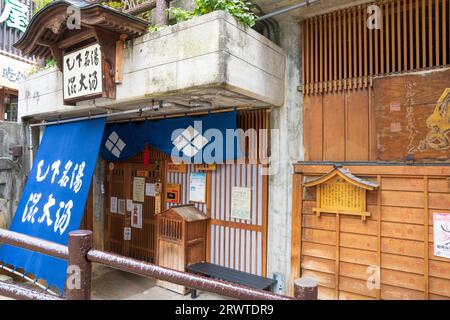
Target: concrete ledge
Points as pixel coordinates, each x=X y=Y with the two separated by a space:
x=211 y=58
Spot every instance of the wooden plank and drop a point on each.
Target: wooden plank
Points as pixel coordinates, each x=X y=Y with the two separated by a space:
x=424 y=35
x=318 y=264
x=316 y=57
x=303 y=52
x=355 y=225
x=426 y=239
x=402 y=263
x=439 y=201
x=354 y=271
x=444 y=32
x=402 y=231
x=402 y=215
x=333 y=121
x=417 y=28
x=324 y=279
x=358 y=256
x=318 y=250
x=430 y=33
x=319 y=236
x=395 y=293
x=439 y=269
x=402 y=199
x=440 y=286
x=437 y=32
x=359 y=241
x=321 y=45
x=411 y=35
x=339 y=43
x=356 y=286
x=403 y=106
x=402 y=247
x=296 y=232
x=313 y=124
x=357 y=133
x=353 y=296
x=403 y=184
x=393 y=37
x=325 y=40
x=402 y=279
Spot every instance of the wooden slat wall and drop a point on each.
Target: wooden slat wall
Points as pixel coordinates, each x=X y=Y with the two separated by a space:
x=339 y=126
x=340 y=52
x=398 y=237
x=234 y=243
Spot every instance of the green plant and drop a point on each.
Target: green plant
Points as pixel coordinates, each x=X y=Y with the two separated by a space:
x=39 y=4
x=179 y=14
x=240 y=9
x=49 y=63
x=118 y=5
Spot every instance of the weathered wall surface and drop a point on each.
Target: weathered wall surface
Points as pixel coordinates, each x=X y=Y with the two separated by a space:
x=12 y=175
x=288 y=147
x=210 y=58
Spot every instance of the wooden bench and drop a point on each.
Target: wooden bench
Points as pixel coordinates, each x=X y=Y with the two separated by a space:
x=222 y=273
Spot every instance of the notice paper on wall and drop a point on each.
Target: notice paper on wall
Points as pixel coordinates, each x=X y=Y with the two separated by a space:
x=113 y=205
x=129 y=204
x=150 y=189
x=441 y=222
x=197 y=187
x=241 y=203
x=121 y=206
x=138 y=189
x=136 y=216
x=127 y=233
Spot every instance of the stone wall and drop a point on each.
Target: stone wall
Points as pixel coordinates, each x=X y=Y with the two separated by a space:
x=12 y=174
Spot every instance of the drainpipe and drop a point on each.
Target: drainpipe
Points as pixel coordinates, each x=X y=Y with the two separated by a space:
x=287 y=9
x=30 y=145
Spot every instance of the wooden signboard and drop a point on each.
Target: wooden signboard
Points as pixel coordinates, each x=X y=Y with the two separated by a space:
x=206 y=167
x=413 y=117
x=173 y=193
x=341 y=192
x=179 y=168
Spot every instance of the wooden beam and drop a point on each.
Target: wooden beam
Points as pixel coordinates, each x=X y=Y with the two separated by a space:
x=120 y=44
x=142 y=7
x=77 y=38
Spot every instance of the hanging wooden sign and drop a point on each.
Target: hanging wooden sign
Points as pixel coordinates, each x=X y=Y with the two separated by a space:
x=142 y=173
x=83 y=75
x=173 y=167
x=341 y=192
x=206 y=167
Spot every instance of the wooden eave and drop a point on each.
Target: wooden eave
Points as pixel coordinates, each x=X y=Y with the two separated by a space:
x=47 y=27
x=347 y=176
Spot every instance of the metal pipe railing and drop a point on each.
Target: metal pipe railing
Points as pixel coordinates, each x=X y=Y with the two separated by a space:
x=182 y=278
x=80 y=253
x=19 y=292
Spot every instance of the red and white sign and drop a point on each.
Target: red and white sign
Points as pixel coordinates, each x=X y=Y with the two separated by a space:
x=441 y=223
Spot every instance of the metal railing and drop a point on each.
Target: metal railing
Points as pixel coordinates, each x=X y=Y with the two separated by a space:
x=80 y=253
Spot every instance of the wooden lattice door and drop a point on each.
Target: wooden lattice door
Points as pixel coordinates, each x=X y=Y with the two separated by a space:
x=119 y=182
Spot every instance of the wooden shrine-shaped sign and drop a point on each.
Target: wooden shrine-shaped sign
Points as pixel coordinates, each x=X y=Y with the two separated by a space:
x=86 y=39
x=341 y=192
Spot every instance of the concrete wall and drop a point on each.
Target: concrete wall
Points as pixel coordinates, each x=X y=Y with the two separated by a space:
x=210 y=58
x=12 y=172
x=289 y=121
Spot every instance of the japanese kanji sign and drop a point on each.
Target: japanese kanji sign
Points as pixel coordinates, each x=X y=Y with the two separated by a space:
x=83 y=73
x=54 y=196
x=15 y=15
x=441 y=223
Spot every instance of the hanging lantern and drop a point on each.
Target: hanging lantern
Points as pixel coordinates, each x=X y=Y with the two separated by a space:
x=147 y=155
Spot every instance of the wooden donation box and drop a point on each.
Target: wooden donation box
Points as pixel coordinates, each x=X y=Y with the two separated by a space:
x=340 y=192
x=181 y=240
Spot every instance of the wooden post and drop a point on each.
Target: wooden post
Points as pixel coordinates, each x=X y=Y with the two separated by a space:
x=161 y=18
x=80 y=242
x=305 y=289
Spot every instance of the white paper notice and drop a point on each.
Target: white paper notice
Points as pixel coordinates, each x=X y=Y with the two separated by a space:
x=129 y=204
x=441 y=222
x=241 y=203
x=127 y=233
x=150 y=189
x=121 y=206
x=113 y=205
x=138 y=189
